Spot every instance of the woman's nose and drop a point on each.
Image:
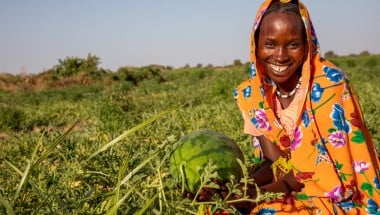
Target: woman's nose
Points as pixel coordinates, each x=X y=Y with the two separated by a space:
x=281 y=54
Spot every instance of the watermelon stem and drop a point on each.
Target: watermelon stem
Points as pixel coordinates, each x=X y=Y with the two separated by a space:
x=209 y=172
x=182 y=172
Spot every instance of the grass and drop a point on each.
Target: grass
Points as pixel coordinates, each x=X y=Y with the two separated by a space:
x=103 y=148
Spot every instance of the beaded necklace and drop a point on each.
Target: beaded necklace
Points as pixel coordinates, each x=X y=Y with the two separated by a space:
x=286 y=96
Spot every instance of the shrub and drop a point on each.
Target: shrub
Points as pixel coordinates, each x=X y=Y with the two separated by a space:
x=330 y=54
x=364 y=53
x=237 y=62
x=136 y=75
x=74 y=65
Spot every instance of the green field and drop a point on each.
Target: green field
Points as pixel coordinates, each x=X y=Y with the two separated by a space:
x=99 y=143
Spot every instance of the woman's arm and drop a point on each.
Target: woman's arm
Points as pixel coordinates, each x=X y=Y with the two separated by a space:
x=264 y=177
x=270 y=150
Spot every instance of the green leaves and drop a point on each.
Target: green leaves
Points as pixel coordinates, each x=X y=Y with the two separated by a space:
x=358 y=137
x=129 y=132
x=342 y=175
x=7 y=206
x=32 y=165
x=302 y=196
x=367 y=187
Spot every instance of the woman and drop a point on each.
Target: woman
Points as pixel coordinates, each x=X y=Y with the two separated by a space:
x=305 y=120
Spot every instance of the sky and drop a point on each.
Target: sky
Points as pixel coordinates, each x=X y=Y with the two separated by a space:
x=35 y=34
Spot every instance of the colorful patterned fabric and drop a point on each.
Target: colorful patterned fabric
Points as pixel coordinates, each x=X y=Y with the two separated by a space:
x=331 y=149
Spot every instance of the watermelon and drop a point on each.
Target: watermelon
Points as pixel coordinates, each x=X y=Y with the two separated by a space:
x=196 y=149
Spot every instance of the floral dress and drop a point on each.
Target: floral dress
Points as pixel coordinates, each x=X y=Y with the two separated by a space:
x=331 y=150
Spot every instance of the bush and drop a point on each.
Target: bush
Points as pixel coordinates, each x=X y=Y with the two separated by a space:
x=237 y=62
x=364 y=53
x=136 y=75
x=74 y=65
x=330 y=54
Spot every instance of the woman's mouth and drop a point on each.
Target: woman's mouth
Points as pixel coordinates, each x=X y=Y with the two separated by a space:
x=277 y=69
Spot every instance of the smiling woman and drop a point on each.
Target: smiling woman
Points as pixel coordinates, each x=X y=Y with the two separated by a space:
x=282 y=48
x=306 y=122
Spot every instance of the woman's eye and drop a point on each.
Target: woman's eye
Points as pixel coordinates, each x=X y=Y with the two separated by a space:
x=269 y=45
x=294 y=45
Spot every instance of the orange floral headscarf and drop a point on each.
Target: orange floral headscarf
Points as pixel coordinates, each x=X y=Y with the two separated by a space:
x=332 y=152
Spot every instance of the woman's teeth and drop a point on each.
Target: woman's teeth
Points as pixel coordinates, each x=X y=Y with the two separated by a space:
x=278 y=69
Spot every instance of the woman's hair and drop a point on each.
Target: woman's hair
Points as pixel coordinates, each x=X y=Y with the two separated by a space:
x=278 y=7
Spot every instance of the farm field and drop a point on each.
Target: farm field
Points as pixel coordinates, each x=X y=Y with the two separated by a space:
x=100 y=143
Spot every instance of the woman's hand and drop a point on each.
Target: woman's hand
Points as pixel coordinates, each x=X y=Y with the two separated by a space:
x=285 y=184
x=292 y=182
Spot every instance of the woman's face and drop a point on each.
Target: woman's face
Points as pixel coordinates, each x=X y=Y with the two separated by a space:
x=281 y=47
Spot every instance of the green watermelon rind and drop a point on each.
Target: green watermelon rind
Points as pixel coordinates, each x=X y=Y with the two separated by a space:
x=195 y=151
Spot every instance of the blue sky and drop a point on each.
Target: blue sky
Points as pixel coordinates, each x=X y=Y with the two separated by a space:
x=36 y=33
